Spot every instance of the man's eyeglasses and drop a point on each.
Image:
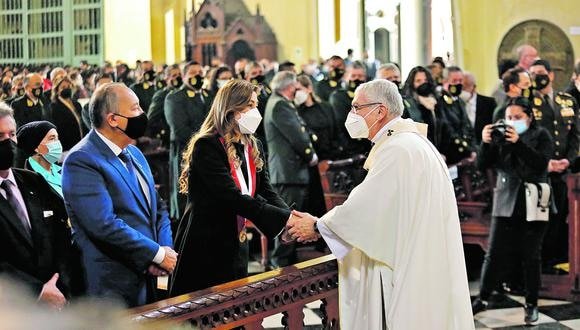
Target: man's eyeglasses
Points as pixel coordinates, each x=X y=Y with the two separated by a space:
x=355 y=108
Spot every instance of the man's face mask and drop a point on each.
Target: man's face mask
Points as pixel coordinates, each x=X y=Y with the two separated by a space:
x=149 y=75
x=7 y=151
x=258 y=79
x=336 y=74
x=37 y=91
x=249 y=121
x=136 y=126
x=357 y=126
x=196 y=81
x=456 y=89
x=353 y=84
x=541 y=81
x=177 y=82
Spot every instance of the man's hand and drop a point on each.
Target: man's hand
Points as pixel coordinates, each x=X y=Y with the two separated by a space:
x=51 y=295
x=156 y=271
x=303 y=228
x=170 y=259
x=486 y=133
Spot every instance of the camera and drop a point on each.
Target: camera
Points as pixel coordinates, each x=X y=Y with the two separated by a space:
x=498 y=131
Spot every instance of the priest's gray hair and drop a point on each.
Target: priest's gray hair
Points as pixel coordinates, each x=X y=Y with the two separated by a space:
x=282 y=80
x=385 y=92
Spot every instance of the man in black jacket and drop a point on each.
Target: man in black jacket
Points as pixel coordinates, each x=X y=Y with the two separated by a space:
x=34 y=235
x=479 y=107
x=30 y=107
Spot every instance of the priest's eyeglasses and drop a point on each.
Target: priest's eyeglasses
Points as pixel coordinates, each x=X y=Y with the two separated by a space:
x=355 y=108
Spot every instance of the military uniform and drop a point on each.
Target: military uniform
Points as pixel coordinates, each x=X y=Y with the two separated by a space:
x=461 y=141
x=263 y=97
x=325 y=87
x=437 y=130
x=158 y=127
x=144 y=91
x=559 y=116
x=25 y=110
x=341 y=102
x=185 y=110
x=319 y=119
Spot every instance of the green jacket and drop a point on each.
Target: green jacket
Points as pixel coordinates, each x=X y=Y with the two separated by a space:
x=144 y=91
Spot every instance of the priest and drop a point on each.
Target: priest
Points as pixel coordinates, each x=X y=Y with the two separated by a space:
x=397 y=237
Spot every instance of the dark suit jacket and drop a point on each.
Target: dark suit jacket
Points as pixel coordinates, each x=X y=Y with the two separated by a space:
x=208 y=244
x=289 y=147
x=118 y=232
x=484 y=107
x=67 y=124
x=35 y=261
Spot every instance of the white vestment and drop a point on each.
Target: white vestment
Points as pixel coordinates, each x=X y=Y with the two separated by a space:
x=398 y=241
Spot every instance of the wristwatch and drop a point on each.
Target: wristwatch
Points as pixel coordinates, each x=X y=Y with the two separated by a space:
x=315 y=225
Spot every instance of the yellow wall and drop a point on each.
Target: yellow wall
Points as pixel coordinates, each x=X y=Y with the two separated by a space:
x=126 y=30
x=483 y=24
x=158 y=10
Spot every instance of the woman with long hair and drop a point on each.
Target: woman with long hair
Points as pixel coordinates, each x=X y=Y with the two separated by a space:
x=227 y=183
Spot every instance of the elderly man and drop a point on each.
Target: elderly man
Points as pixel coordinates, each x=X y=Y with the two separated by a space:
x=397 y=236
x=526 y=56
x=119 y=222
x=479 y=107
x=390 y=72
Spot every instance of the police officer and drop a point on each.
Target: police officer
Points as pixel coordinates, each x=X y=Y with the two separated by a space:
x=146 y=88
x=336 y=69
x=185 y=110
x=516 y=82
x=16 y=89
x=30 y=106
x=254 y=73
x=558 y=113
x=158 y=128
x=452 y=110
x=341 y=102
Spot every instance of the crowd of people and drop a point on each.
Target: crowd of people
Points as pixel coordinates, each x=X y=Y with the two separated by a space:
x=210 y=120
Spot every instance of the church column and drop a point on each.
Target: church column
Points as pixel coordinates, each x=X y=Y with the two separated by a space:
x=414 y=35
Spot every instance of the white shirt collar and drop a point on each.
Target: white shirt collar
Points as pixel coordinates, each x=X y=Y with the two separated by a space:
x=384 y=129
x=114 y=148
x=10 y=178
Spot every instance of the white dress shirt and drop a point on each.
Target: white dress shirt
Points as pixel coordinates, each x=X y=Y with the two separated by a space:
x=16 y=191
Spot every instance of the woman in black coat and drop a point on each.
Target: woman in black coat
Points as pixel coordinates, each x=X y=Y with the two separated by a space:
x=227 y=182
x=522 y=158
x=66 y=114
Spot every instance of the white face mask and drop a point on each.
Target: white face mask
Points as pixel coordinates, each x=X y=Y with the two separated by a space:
x=249 y=121
x=221 y=82
x=300 y=97
x=465 y=96
x=357 y=126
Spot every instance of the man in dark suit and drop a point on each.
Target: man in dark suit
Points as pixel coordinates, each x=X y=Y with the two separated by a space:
x=479 y=108
x=290 y=150
x=30 y=107
x=120 y=223
x=185 y=111
x=158 y=127
x=34 y=236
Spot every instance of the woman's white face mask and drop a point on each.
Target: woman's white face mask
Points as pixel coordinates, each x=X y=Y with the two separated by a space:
x=357 y=126
x=249 y=121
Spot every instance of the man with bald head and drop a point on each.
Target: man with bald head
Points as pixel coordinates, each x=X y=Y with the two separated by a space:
x=527 y=54
x=120 y=223
x=479 y=108
x=30 y=106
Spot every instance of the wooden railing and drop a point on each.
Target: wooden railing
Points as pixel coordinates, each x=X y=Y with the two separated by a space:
x=246 y=302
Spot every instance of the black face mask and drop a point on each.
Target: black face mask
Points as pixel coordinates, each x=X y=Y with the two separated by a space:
x=258 y=79
x=398 y=83
x=7 y=150
x=526 y=92
x=20 y=92
x=425 y=89
x=541 y=81
x=66 y=93
x=455 y=90
x=241 y=75
x=336 y=74
x=177 y=82
x=196 y=82
x=353 y=84
x=136 y=126
x=149 y=75
x=37 y=91
x=6 y=87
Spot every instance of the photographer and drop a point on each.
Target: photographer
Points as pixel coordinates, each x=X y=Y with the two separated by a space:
x=520 y=150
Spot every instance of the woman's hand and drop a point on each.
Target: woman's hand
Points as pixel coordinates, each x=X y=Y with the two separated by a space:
x=511 y=135
x=486 y=133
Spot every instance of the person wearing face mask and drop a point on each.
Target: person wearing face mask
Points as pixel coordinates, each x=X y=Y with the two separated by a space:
x=479 y=108
x=574 y=86
x=341 y=100
x=451 y=109
x=291 y=152
x=123 y=71
x=522 y=157
x=218 y=78
x=226 y=181
x=185 y=110
x=120 y=224
x=333 y=81
x=5 y=88
x=33 y=226
x=516 y=82
x=145 y=89
x=558 y=113
x=17 y=90
x=158 y=127
x=254 y=73
x=39 y=141
x=66 y=114
x=30 y=106
x=390 y=72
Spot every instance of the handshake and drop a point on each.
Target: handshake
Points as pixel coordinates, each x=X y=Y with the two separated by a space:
x=300 y=227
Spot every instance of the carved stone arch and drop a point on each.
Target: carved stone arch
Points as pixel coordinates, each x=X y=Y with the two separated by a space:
x=551 y=42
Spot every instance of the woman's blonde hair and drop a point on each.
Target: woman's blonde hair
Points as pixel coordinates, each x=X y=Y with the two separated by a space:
x=232 y=98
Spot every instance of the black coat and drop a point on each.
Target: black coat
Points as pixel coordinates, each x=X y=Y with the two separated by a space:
x=484 y=107
x=210 y=251
x=35 y=262
x=25 y=111
x=67 y=124
x=516 y=163
x=320 y=121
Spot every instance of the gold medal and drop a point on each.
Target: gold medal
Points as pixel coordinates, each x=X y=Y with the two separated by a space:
x=145 y=85
x=190 y=93
x=29 y=103
x=243 y=236
x=332 y=83
x=447 y=99
x=537 y=101
x=350 y=94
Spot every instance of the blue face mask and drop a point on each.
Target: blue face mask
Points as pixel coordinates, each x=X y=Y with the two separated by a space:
x=54 y=152
x=519 y=125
